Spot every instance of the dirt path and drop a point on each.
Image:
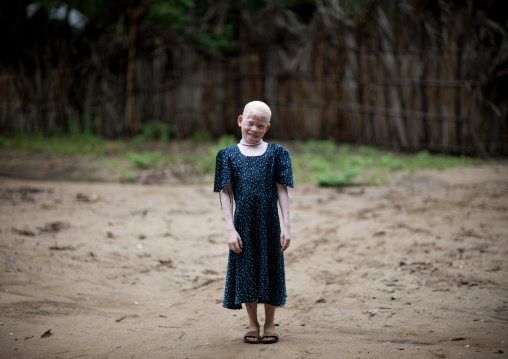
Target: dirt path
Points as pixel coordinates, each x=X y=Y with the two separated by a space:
x=417 y=269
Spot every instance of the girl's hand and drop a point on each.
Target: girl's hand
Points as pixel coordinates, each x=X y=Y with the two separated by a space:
x=234 y=241
x=285 y=238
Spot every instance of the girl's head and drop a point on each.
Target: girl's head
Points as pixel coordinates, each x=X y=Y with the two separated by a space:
x=255 y=121
x=258 y=106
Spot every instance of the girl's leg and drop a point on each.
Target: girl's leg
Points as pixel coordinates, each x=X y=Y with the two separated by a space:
x=269 y=319
x=252 y=312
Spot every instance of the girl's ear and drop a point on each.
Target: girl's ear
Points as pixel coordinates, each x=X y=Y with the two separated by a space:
x=240 y=118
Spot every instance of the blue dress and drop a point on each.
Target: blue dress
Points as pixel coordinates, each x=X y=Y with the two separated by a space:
x=257 y=273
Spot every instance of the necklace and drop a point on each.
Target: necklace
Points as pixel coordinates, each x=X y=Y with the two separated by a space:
x=242 y=142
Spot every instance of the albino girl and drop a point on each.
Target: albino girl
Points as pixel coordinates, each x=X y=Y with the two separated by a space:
x=256 y=175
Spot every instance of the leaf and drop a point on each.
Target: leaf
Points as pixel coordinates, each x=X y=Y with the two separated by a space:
x=166 y=262
x=81 y=197
x=46 y=334
x=54 y=227
x=23 y=232
x=62 y=248
x=215 y=241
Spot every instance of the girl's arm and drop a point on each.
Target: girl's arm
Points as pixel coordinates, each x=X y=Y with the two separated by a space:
x=285 y=234
x=234 y=240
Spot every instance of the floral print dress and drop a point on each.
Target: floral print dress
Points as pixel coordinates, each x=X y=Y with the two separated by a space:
x=257 y=273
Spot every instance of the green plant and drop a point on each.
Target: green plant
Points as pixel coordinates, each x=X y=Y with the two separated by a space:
x=74 y=128
x=203 y=164
x=345 y=149
x=153 y=130
x=325 y=148
x=128 y=176
x=200 y=136
x=78 y=144
x=367 y=150
x=336 y=179
x=226 y=140
x=320 y=164
x=4 y=142
x=331 y=165
x=222 y=142
x=91 y=126
x=391 y=162
x=146 y=159
x=320 y=161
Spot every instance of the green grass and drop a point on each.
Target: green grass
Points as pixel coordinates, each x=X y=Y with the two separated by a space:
x=57 y=145
x=147 y=159
x=315 y=161
x=153 y=130
x=128 y=176
x=329 y=165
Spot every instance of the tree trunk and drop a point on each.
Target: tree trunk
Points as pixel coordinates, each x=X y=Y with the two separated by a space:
x=134 y=15
x=131 y=120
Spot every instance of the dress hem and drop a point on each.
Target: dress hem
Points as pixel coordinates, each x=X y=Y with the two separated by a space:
x=235 y=306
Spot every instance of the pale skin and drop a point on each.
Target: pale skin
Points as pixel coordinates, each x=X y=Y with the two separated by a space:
x=254 y=126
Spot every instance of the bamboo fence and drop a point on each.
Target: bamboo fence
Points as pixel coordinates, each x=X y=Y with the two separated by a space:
x=392 y=80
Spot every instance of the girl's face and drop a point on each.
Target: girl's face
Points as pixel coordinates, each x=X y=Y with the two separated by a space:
x=253 y=126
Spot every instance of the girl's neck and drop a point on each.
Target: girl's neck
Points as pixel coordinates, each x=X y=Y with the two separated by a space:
x=245 y=143
x=253 y=151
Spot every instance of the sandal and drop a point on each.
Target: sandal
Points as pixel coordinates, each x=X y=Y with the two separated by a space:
x=252 y=338
x=270 y=338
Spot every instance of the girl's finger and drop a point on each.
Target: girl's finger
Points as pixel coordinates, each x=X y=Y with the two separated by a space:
x=285 y=243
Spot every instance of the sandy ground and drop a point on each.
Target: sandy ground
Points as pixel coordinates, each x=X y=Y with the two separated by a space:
x=416 y=269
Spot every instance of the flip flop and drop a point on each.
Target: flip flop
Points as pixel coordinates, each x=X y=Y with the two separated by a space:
x=252 y=338
x=269 y=338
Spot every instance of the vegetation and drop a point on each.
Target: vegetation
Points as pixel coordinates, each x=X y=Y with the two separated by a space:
x=330 y=165
x=57 y=145
x=316 y=161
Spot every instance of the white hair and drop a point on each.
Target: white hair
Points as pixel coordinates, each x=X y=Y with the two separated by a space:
x=258 y=106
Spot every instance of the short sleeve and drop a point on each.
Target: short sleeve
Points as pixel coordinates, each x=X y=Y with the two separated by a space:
x=222 y=171
x=283 y=168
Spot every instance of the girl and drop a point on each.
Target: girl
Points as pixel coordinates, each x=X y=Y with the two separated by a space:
x=256 y=174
